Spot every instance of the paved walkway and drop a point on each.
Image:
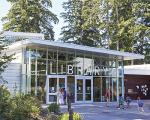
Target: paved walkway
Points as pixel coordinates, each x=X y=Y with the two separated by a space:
x=97 y=111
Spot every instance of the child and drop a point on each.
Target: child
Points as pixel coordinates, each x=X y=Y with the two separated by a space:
x=128 y=101
x=121 y=102
x=140 y=104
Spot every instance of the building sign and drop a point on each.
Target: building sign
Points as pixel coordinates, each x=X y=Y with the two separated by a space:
x=78 y=70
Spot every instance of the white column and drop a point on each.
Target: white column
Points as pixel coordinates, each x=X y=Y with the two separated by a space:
x=122 y=67
x=117 y=79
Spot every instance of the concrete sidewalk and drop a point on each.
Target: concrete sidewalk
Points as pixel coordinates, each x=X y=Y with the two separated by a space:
x=98 y=111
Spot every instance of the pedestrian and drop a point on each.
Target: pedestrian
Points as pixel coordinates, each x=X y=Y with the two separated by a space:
x=64 y=95
x=140 y=104
x=128 y=100
x=121 y=102
x=60 y=97
x=107 y=95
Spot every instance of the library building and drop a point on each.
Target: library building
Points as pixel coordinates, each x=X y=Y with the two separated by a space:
x=43 y=67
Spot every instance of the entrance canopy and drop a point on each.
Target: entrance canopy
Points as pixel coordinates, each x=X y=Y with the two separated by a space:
x=75 y=47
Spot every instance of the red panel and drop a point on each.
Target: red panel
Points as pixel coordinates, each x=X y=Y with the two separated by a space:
x=137 y=85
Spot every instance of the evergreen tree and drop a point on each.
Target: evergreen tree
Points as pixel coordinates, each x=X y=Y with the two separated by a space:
x=4 y=58
x=141 y=10
x=72 y=17
x=82 y=22
x=31 y=16
x=128 y=25
x=118 y=24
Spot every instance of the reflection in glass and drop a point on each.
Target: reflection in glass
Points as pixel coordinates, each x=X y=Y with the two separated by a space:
x=71 y=56
x=61 y=82
x=98 y=68
x=52 y=85
x=97 y=89
x=41 y=88
x=71 y=87
x=105 y=86
x=114 y=89
x=87 y=89
x=79 y=64
x=52 y=67
x=32 y=54
x=61 y=67
x=33 y=63
x=33 y=85
x=120 y=85
x=41 y=66
x=41 y=54
x=79 y=89
x=52 y=98
x=50 y=54
x=88 y=65
x=62 y=56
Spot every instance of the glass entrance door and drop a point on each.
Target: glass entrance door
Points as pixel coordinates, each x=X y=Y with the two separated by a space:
x=54 y=84
x=88 y=90
x=83 y=89
x=79 y=90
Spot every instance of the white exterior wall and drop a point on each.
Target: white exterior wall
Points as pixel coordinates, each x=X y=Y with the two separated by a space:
x=12 y=74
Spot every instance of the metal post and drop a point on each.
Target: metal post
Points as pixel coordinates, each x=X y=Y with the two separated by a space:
x=69 y=103
x=71 y=114
x=69 y=107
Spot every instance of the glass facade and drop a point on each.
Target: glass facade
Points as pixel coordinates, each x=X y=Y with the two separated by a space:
x=104 y=71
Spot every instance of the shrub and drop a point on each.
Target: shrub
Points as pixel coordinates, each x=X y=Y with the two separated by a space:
x=25 y=107
x=5 y=104
x=53 y=117
x=65 y=116
x=54 y=107
x=19 y=107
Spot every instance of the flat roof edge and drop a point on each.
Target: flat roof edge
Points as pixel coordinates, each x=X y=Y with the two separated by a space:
x=125 y=55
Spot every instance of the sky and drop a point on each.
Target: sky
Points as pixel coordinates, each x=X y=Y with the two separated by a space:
x=56 y=9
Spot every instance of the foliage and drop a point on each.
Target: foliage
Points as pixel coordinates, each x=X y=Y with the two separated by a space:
x=127 y=24
x=5 y=104
x=82 y=22
x=30 y=16
x=122 y=25
x=54 y=107
x=53 y=117
x=65 y=116
x=25 y=107
x=4 y=58
x=20 y=107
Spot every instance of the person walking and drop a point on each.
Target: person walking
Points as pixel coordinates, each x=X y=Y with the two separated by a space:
x=128 y=101
x=107 y=95
x=60 y=97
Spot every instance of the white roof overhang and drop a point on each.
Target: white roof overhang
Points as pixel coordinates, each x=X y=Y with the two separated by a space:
x=137 y=69
x=22 y=34
x=69 y=46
